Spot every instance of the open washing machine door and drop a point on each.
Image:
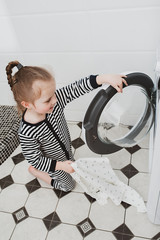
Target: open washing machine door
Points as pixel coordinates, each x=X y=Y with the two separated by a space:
x=116 y=120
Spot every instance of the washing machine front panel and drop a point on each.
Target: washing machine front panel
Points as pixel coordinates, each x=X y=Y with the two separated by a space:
x=116 y=120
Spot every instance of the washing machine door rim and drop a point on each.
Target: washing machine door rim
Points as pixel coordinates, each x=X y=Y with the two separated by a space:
x=95 y=109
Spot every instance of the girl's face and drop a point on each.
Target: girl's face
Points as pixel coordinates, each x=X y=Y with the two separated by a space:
x=47 y=100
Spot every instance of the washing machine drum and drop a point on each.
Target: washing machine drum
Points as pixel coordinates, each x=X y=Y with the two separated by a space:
x=117 y=120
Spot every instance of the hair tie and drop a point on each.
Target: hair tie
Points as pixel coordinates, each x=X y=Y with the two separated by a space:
x=19 y=66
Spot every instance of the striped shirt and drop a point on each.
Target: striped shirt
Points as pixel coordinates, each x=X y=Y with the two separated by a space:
x=38 y=141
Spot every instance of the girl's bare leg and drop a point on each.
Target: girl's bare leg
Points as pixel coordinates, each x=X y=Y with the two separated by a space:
x=39 y=174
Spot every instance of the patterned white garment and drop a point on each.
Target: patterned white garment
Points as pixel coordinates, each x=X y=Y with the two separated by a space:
x=97 y=178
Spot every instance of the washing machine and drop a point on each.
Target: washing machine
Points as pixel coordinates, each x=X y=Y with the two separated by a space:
x=120 y=120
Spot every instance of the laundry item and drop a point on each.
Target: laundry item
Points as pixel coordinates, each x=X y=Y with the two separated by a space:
x=97 y=178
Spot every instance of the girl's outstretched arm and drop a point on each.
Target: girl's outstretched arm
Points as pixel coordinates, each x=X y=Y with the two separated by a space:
x=76 y=89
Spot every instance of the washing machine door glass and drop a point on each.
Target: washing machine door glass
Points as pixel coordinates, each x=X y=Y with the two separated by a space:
x=115 y=120
x=127 y=117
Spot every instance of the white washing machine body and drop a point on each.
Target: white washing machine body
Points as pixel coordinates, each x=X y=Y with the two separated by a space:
x=103 y=108
x=153 y=203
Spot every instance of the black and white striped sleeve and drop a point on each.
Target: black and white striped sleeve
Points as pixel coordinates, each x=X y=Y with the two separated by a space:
x=32 y=153
x=66 y=94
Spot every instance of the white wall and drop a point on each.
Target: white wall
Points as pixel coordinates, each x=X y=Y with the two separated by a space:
x=78 y=38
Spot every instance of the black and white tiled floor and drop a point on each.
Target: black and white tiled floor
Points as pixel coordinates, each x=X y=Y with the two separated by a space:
x=30 y=209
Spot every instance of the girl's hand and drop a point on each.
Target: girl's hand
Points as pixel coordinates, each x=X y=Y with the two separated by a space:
x=65 y=166
x=114 y=80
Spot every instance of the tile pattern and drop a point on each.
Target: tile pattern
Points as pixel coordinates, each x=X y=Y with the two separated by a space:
x=125 y=205
x=20 y=215
x=89 y=198
x=33 y=186
x=6 y=181
x=123 y=232
x=78 y=142
x=18 y=158
x=51 y=221
x=133 y=149
x=157 y=237
x=86 y=227
x=129 y=171
x=48 y=213
x=60 y=194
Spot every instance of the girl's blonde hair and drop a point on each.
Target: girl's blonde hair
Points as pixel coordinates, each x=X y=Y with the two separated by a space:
x=21 y=82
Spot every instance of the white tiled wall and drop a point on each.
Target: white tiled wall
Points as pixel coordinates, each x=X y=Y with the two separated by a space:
x=78 y=38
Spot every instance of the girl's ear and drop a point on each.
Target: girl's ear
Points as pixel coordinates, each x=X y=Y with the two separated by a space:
x=25 y=104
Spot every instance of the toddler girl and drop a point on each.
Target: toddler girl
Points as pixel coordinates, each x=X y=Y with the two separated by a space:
x=43 y=131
